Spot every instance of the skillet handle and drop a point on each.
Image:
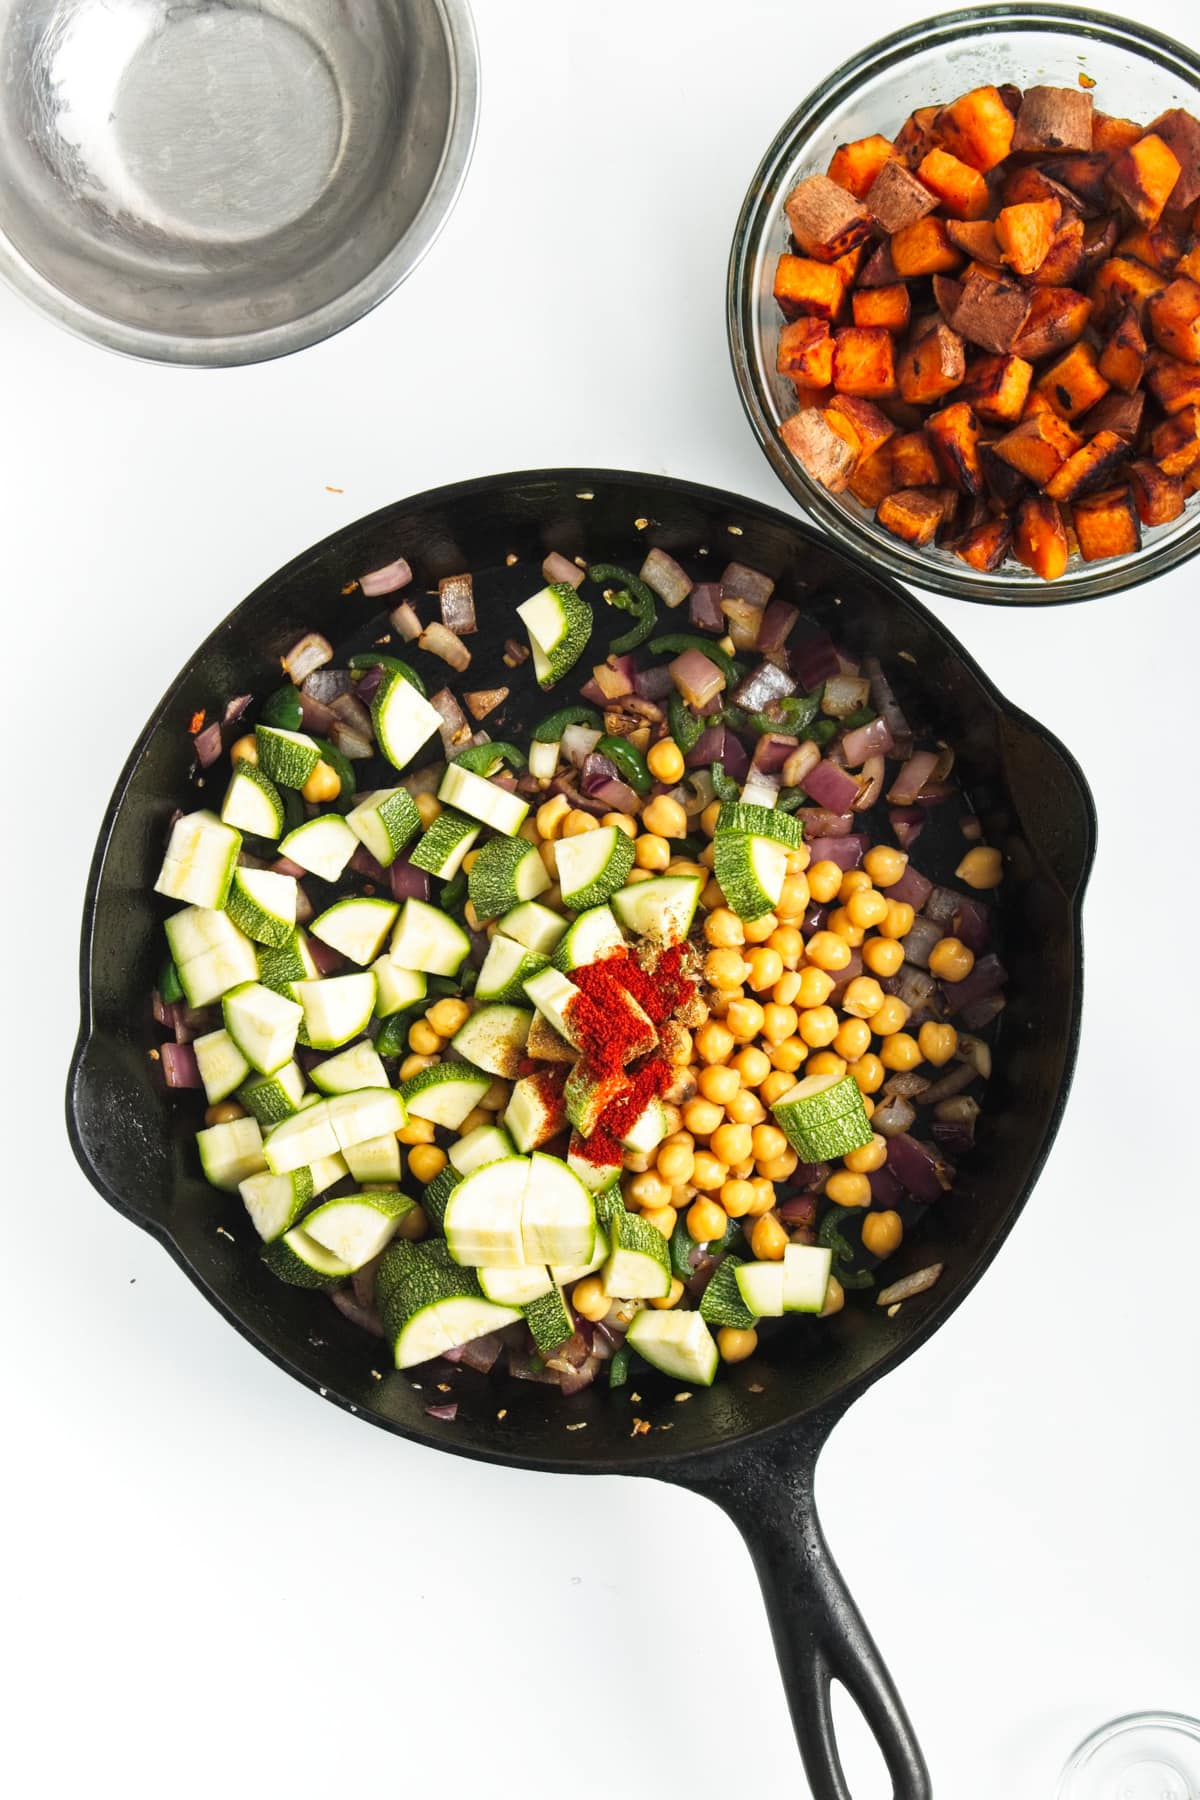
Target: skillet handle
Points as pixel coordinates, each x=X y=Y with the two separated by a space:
x=122 y=1155
x=767 y=1490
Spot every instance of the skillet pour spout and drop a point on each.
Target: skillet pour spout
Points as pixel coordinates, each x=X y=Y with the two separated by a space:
x=750 y=1442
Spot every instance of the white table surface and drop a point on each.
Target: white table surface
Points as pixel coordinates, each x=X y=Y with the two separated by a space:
x=206 y=1585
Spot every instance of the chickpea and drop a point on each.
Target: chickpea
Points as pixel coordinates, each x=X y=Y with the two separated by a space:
x=751 y=1065
x=529 y=830
x=679 y=865
x=549 y=857
x=938 y=1043
x=872 y=1156
x=702 y=1117
x=474 y=1119
x=885 y=865
x=724 y=968
x=712 y=895
x=779 y=1168
x=708 y=818
x=680 y=1046
x=635 y=874
x=759 y=930
x=950 y=960
x=245 y=750
x=863 y=997
x=767 y=1143
x=662 y=1218
x=707 y=857
x=737 y=1197
x=429 y=808
x=653 y=853
x=745 y=1019
x=899 y=920
x=798 y=860
x=793 y=901
x=818 y=1026
x=666 y=761
x=900 y=1052
x=826 y=1062
x=714 y=1042
x=869 y=1073
x=815 y=987
x=852 y=882
x=448 y=1016
x=577 y=823
x=736 y=1343
x=839 y=921
x=323 y=784
x=425 y=1161
x=768 y=1239
x=665 y=817
x=845 y=1188
x=779 y=1023
x=732 y=1143
x=589 y=1299
x=775 y=1086
x=637 y=1162
x=824 y=881
x=892 y=1016
x=412 y=1065
x=853 y=1039
x=648 y=1191
x=828 y=951
x=789 y=1055
x=867 y=907
x=671 y=1298
x=719 y=1084
x=745 y=1108
x=224 y=1113
x=675 y=1163
x=424 y=1039
x=882 y=1232
x=766 y=967
x=708 y=1173
x=706 y=1221
x=883 y=955
x=789 y=943
x=981 y=867
x=414 y=1225
x=835 y=1299
x=496 y=1098
x=550 y=815
x=622 y=821
x=417 y=1131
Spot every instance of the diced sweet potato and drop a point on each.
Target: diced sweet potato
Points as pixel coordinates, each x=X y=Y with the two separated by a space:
x=954 y=434
x=960 y=190
x=1063 y=263
x=803 y=285
x=849 y=265
x=1189 y=262
x=913 y=514
x=1191 y=481
x=897 y=198
x=913 y=462
x=977 y=238
x=998 y=386
x=1111 y=135
x=1143 y=177
x=1099 y=239
x=1107 y=525
x=915 y=135
x=855 y=166
x=863 y=361
x=1037 y=403
x=1176 y=442
x=1174 y=317
x=1084 y=177
x=1040 y=537
x=887 y=307
x=1160 y=246
x=977 y=128
x=1026 y=232
x=1073 y=383
x=1173 y=384
x=1089 y=468
x=815 y=444
x=932 y=365
x=923 y=249
x=1120 y=282
x=1122 y=361
x=864 y=426
x=1054 y=118
x=1004 y=484
x=1158 y=496
x=873 y=480
x=825 y=220
x=805 y=353
x=1120 y=413
x=993 y=311
x=1180 y=132
x=879 y=270
x=1025 y=185
x=947 y=296
x=1038 y=448
x=986 y=545
x=1056 y=319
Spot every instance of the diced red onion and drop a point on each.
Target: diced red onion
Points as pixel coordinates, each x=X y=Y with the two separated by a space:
x=798 y=1209
x=708 y=748
x=480 y=1353
x=909 y=1286
x=814 y=660
x=352 y=1308
x=742 y=621
x=819 y=822
x=664 y=577
x=905 y=1084
x=556 y=568
x=941 y=905
x=315 y=716
x=596 y=770
x=506 y=779
x=306 y=654
x=954 y=1136
x=617 y=796
x=697 y=678
x=889 y=707
x=351 y=711
x=591 y=692
x=523 y=1365
x=907 y=823
x=812 y=1176
x=986 y=978
x=304 y=906
x=885 y=1189
x=914 y=986
x=847 y=852
x=353 y=747
x=918 y=1167
x=912 y=778
x=775 y=627
x=913 y=888
x=871 y=739
x=447 y=1411
x=388 y=580
x=814 y=919
x=578 y=742
x=454 y=719
x=235 y=708
x=580 y=1378
x=208 y=745
x=163 y=1010
x=653 y=684
x=456 y=598
x=406 y=882
x=872 y=773
x=446 y=645
x=283 y=865
x=740 y=583
x=972 y=924
x=892 y=1118
x=766 y=683
x=614 y=678
x=979 y=1013
x=918 y=942
x=771 y=753
x=585 y=802
x=369 y=683
x=327 y=959
x=831 y=788
x=704 y=607
x=326 y=684
x=179 y=1066
x=953 y=1082
x=845 y=694
x=735 y=758
x=404 y=620
x=936 y=793
x=363 y=863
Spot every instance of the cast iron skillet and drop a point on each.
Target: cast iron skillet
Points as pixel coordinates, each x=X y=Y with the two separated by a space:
x=751 y=1442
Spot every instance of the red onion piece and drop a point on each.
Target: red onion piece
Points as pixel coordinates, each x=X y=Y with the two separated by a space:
x=558 y=568
x=885 y=1189
x=612 y=680
x=327 y=959
x=742 y=621
x=208 y=745
x=889 y=707
x=812 y=1176
x=363 y=863
x=913 y=888
x=353 y=747
x=580 y=1378
x=872 y=739
x=814 y=920
x=918 y=943
x=954 y=1137
x=456 y=597
x=664 y=577
x=698 y=680
x=872 y=773
x=480 y=1353
x=819 y=822
x=454 y=719
x=978 y=1014
x=844 y=694
x=912 y=985
x=653 y=684
x=591 y=693
x=912 y=778
x=771 y=753
x=941 y=905
x=847 y=852
x=351 y=711
x=843 y=977
x=388 y=580
x=326 y=684
x=740 y=583
x=831 y=787
x=918 y=1167
x=907 y=823
x=306 y=654
x=235 y=708
x=369 y=683
x=936 y=793
x=892 y=1118
x=972 y=924
x=405 y=621
x=776 y=626
x=446 y=645
x=814 y=660
x=986 y=979
x=283 y=865
x=315 y=716
x=596 y=770
x=959 y=1077
x=447 y=1411
x=766 y=683
x=798 y=1209
x=163 y=1010
x=406 y=882
x=617 y=796
x=704 y=607
x=585 y=802
x=352 y=1308
x=179 y=1066
x=304 y=906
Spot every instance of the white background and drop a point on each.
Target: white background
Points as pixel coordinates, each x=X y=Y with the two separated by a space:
x=215 y=1583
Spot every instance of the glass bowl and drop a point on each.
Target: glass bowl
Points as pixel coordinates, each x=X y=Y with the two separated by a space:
x=1137 y=72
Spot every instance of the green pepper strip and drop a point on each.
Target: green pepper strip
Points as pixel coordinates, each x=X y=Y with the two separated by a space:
x=631 y=765
x=679 y=641
x=371 y=659
x=485 y=759
x=169 y=986
x=682 y=722
x=343 y=768
x=863 y=716
x=392 y=1037
x=283 y=710
x=550 y=730
x=723 y=787
x=631 y=596
x=829 y=1236
x=454 y=892
x=790 y=800
x=821 y=732
x=618 y=1368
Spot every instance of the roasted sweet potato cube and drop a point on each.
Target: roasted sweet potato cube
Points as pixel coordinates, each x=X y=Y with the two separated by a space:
x=1191 y=481
x=1054 y=118
x=931 y=365
x=1160 y=246
x=1099 y=239
x=1122 y=361
x=1121 y=413
x=913 y=462
x=803 y=285
x=947 y=296
x=1057 y=318
x=889 y=307
x=825 y=220
x=1040 y=537
x=954 y=434
x=873 y=480
x=992 y=311
x=1143 y=177
x=1180 y=132
x=1173 y=384
x=1024 y=185
x=1176 y=442
x=1120 y=282
x=879 y=270
x=924 y=249
x=849 y=265
x=1112 y=135
x=855 y=166
x=1089 y=468
x=1158 y=496
x=1026 y=232
x=864 y=361
x=1038 y=447
x=805 y=353
x=915 y=135
x=1064 y=262
x=959 y=189
x=985 y=545
x=1073 y=383
x=863 y=425
x=821 y=450
x=976 y=238
x=1004 y=484
x=1174 y=317
x=1084 y=177
x=977 y=128
x=998 y=386
x=1106 y=524
x=913 y=514
x=1189 y=262
x=897 y=198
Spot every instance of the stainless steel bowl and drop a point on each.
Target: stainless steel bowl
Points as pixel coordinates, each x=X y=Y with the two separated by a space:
x=222 y=181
